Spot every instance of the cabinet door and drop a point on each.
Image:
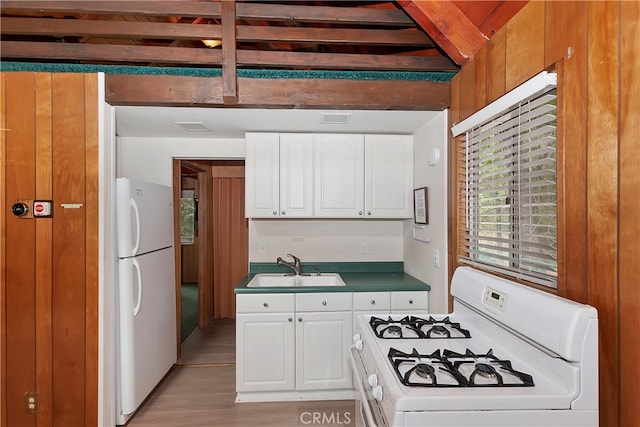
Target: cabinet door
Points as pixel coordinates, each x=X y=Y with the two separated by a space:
x=256 y=368
x=296 y=175
x=388 y=176
x=262 y=176
x=322 y=350
x=339 y=176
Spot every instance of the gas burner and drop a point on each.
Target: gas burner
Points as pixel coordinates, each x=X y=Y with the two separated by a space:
x=425 y=371
x=438 y=330
x=415 y=327
x=455 y=370
x=393 y=331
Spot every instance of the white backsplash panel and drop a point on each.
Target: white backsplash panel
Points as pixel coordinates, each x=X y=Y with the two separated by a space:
x=326 y=240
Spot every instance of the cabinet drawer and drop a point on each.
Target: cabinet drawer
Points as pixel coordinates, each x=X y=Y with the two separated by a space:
x=409 y=301
x=265 y=303
x=371 y=301
x=337 y=301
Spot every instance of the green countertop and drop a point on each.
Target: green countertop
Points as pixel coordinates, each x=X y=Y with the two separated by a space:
x=358 y=277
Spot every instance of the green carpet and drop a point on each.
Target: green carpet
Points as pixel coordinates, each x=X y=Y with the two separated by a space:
x=189 y=309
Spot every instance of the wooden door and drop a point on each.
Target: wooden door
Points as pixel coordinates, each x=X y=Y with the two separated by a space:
x=49 y=266
x=230 y=237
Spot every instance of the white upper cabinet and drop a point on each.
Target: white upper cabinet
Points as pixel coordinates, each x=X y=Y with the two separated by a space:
x=262 y=175
x=388 y=176
x=296 y=175
x=279 y=174
x=364 y=176
x=339 y=176
x=299 y=175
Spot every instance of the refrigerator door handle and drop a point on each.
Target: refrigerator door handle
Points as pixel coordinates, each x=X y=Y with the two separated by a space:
x=136 y=308
x=134 y=205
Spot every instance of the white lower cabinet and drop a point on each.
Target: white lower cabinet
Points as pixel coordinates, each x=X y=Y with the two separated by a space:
x=265 y=352
x=289 y=346
x=322 y=350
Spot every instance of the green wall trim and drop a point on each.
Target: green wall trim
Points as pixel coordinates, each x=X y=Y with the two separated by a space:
x=331 y=267
x=46 y=67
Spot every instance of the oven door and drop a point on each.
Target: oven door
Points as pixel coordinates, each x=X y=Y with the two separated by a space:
x=368 y=409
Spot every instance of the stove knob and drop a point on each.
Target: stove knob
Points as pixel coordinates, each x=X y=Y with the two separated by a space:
x=377 y=393
x=372 y=380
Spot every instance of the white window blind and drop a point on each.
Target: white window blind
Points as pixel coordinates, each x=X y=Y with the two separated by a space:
x=508 y=191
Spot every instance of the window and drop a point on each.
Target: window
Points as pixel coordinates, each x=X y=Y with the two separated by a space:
x=188 y=213
x=507 y=190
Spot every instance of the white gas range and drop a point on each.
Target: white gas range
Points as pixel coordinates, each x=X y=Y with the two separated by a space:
x=508 y=355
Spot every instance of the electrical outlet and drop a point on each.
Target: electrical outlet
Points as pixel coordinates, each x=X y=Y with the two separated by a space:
x=366 y=249
x=262 y=248
x=436 y=258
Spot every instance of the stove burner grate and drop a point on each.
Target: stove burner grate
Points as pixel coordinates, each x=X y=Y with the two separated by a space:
x=455 y=369
x=411 y=327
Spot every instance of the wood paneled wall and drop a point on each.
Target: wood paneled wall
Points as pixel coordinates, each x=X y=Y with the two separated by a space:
x=593 y=46
x=49 y=271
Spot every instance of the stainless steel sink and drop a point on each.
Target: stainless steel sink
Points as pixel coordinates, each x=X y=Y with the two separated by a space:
x=269 y=280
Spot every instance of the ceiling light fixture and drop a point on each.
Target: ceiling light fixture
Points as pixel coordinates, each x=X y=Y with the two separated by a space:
x=335 y=118
x=193 y=126
x=212 y=43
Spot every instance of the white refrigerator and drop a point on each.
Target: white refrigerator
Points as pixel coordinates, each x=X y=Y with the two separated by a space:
x=146 y=293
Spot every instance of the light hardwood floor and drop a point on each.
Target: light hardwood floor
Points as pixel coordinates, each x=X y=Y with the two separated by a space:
x=200 y=392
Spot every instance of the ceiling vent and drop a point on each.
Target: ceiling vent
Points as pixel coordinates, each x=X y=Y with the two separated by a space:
x=335 y=118
x=193 y=126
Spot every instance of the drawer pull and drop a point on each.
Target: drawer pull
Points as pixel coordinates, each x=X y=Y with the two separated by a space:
x=373 y=302
x=265 y=305
x=324 y=303
x=410 y=301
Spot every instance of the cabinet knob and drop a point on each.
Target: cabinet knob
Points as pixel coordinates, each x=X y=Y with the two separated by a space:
x=360 y=213
x=275 y=213
x=324 y=303
x=265 y=305
x=299 y=319
x=373 y=302
x=369 y=213
x=410 y=301
x=283 y=212
x=290 y=319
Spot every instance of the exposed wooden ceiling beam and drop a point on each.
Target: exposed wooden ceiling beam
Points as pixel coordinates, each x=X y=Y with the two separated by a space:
x=337 y=61
x=229 y=60
x=323 y=14
x=244 y=33
x=273 y=93
x=447 y=26
x=111 y=53
x=113 y=29
x=213 y=57
x=406 y=37
x=156 y=8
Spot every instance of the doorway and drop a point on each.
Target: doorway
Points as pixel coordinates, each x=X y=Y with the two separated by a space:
x=216 y=258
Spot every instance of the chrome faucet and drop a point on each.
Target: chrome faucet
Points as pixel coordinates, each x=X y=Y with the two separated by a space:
x=296 y=266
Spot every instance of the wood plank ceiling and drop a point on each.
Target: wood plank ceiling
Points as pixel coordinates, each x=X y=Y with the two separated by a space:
x=400 y=36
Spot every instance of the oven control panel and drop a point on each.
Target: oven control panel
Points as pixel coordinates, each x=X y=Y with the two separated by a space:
x=495 y=299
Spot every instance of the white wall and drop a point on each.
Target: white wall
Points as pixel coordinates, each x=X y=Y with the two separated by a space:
x=325 y=240
x=418 y=254
x=151 y=159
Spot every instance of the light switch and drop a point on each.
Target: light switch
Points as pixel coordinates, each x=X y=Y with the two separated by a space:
x=42 y=208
